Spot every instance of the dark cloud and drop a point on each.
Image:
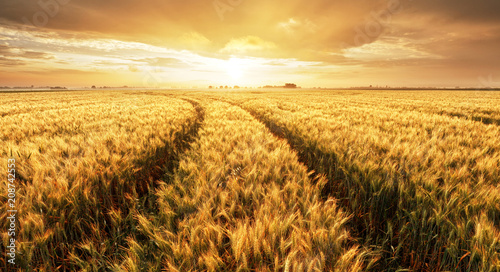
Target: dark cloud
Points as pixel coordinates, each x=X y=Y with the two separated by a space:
x=312 y=29
x=36 y=55
x=7 y=51
x=6 y=62
x=333 y=21
x=4 y=49
x=457 y=10
x=11 y=57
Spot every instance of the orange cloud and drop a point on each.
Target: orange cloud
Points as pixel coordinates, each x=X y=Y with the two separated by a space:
x=370 y=39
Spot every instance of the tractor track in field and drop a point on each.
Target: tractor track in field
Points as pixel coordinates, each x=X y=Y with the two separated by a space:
x=368 y=228
x=166 y=161
x=140 y=186
x=281 y=133
x=482 y=119
x=357 y=232
x=161 y=165
x=155 y=167
x=247 y=117
x=333 y=188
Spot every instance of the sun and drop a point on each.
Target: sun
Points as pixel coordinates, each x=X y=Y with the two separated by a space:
x=234 y=68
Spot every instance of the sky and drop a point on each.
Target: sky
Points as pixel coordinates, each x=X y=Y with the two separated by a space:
x=197 y=43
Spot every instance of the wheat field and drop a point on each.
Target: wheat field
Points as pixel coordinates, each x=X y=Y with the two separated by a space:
x=253 y=180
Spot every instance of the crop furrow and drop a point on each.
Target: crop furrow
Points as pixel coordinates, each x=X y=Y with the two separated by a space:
x=79 y=209
x=404 y=217
x=477 y=118
x=318 y=162
x=240 y=200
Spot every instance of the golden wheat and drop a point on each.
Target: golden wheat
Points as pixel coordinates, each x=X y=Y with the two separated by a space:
x=407 y=166
x=241 y=201
x=81 y=160
x=254 y=180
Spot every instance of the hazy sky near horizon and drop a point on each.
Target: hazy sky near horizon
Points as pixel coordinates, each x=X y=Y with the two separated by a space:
x=328 y=43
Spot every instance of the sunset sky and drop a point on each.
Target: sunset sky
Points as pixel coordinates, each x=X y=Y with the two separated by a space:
x=328 y=43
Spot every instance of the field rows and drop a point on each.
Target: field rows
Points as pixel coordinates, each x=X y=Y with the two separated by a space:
x=73 y=186
x=476 y=106
x=254 y=181
x=240 y=201
x=423 y=188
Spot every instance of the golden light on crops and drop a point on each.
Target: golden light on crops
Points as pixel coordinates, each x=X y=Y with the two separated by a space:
x=194 y=137
x=253 y=179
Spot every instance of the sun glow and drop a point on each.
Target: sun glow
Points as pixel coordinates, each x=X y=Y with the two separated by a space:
x=234 y=68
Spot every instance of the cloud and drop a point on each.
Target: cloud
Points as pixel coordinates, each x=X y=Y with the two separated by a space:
x=7 y=62
x=56 y=71
x=434 y=35
x=194 y=40
x=195 y=24
x=13 y=57
x=388 y=50
x=164 y=62
x=133 y=68
x=167 y=20
x=481 y=11
x=8 y=51
x=292 y=26
x=247 y=45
